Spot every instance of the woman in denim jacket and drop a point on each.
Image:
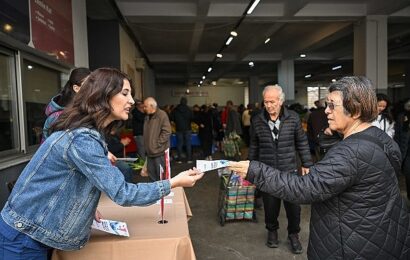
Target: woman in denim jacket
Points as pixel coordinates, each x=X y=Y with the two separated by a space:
x=54 y=200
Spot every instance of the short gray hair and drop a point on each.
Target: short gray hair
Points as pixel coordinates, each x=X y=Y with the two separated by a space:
x=151 y=102
x=275 y=87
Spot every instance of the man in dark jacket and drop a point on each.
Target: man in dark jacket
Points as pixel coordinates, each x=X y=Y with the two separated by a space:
x=233 y=120
x=182 y=117
x=157 y=132
x=357 y=211
x=276 y=136
x=317 y=122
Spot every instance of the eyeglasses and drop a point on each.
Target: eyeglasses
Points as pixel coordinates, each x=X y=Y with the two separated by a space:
x=332 y=105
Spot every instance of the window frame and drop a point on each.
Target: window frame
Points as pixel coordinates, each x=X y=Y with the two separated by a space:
x=22 y=152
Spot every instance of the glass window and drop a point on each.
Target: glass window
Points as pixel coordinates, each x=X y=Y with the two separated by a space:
x=40 y=84
x=315 y=93
x=8 y=108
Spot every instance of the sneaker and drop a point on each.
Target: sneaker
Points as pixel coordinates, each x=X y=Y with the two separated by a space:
x=295 y=244
x=272 y=241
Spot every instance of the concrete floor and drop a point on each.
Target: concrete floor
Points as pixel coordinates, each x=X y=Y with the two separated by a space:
x=237 y=240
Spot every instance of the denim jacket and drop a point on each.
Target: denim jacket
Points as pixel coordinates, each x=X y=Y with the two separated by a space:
x=56 y=196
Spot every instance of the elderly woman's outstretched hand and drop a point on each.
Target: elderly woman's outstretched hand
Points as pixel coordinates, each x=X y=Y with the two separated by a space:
x=241 y=168
x=186 y=178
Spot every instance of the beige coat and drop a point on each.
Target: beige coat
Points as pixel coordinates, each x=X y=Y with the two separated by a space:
x=157 y=132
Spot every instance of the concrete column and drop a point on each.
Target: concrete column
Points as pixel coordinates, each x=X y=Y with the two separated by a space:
x=370 y=50
x=286 y=78
x=255 y=95
x=80 y=33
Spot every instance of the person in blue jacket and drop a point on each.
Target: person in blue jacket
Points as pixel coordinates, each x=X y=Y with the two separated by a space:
x=54 y=201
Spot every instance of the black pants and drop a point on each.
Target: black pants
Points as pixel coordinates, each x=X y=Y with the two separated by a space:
x=272 y=209
x=206 y=146
x=408 y=186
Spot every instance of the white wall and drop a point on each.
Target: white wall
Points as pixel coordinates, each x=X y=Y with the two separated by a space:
x=301 y=95
x=128 y=54
x=215 y=94
x=148 y=81
x=80 y=33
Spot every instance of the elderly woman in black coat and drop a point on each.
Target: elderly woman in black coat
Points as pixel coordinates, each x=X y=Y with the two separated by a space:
x=357 y=211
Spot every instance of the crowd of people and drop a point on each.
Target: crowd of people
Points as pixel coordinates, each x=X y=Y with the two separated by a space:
x=344 y=157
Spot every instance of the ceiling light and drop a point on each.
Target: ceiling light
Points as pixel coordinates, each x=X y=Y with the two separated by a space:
x=404 y=75
x=7 y=27
x=229 y=40
x=203 y=77
x=209 y=69
x=337 y=67
x=333 y=80
x=267 y=40
x=29 y=67
x=187 y=90
x=251 y=64
x=308 y=76
x=199 y=85
x=302 y=55
x=255 y=3
x=219 y=55
x=200 y=82
x=234 y=33
x=214 y=83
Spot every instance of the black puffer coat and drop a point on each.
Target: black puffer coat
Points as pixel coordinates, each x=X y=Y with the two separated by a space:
x=281 y=155
x=357 y=211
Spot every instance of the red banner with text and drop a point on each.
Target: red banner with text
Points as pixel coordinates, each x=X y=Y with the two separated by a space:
x=52 y=28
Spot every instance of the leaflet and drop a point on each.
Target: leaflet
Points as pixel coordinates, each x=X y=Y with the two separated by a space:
x=166 y=201
x=204 y=165
x=112 y=226
x=126 y=159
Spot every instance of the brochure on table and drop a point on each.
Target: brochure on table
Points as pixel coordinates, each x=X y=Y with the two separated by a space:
x=111 y=226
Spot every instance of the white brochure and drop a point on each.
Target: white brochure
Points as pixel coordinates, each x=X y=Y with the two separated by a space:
x=166 y=201
x=112 y=226
x=204 y=165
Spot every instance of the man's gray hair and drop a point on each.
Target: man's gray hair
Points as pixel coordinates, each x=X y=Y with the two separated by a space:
x=151 y=102
x=275 y=87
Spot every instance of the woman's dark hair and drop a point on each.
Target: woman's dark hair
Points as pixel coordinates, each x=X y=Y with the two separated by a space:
x=77 y=77
x=386 y=113
x=358 y=96
x=91 y=107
